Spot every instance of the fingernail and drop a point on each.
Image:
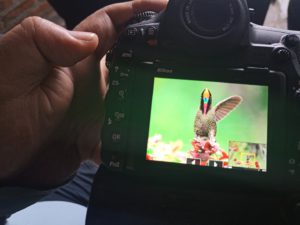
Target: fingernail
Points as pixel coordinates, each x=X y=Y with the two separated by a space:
x=83 y=36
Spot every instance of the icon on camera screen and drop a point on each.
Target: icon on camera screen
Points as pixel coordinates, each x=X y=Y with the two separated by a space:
x=209 y=124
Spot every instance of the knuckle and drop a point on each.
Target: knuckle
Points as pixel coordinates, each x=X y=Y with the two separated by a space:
x=29 y=24
x=31 y=20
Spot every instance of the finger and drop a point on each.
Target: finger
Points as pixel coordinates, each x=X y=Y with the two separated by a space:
x=58 y=45
x=109 y=21
x=106 y=23
x=104 y=77
x=129 y=10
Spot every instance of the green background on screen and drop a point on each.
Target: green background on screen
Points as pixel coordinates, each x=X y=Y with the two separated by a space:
x=175 y=103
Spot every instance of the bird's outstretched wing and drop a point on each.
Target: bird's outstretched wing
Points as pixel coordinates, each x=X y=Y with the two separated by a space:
x=224 y=107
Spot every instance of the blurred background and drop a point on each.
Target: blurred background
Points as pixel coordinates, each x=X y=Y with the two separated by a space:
x=14 y=11
x=277 y=14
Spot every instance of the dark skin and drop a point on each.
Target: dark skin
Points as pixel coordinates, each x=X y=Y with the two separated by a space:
x=51 y=94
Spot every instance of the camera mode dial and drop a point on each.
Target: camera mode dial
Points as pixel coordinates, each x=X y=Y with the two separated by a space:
x=143 y=16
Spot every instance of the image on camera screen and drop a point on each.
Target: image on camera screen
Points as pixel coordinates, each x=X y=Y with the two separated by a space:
x=209 y=124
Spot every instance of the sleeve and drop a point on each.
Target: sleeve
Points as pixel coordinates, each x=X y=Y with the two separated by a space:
x=13 y=199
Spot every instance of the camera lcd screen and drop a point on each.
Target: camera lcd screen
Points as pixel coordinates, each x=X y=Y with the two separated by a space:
x=209 y=124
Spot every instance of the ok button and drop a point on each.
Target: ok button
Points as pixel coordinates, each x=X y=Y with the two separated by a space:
x=116 y=137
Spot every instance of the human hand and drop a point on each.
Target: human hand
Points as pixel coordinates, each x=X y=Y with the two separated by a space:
x=51 y=94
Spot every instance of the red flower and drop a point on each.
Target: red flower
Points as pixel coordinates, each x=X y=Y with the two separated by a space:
x=207 y=146
x=149 y=157
x=195 y=154
x=196 y=145
x=224 y=155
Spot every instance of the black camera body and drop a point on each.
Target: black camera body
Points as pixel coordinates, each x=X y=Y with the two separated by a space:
x=202 y=97
x=202 y=111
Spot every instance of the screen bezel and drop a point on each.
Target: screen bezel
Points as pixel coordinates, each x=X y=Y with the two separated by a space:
x=141 y=98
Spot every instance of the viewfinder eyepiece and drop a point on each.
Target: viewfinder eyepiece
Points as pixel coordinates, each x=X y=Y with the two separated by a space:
x=199 y=18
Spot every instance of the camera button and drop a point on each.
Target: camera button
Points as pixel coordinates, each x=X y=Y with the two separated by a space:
x=115 y=160
x=292 y=172
x=119 y=116
x=109 y=121
x=116 y=115
x=127 y=54
x=116 y=69
x=124 y=75
x=115 y=83
x=132 y=32
x=297 y=95
x=292 y=161
x=118 y=94
x=142 y=32
x=121 y=94
x=281 y=55
x=151 y=32
x=116 y=137
x=291 y=40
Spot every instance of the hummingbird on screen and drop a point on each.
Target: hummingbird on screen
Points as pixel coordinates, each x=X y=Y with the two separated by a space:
x=205 y=124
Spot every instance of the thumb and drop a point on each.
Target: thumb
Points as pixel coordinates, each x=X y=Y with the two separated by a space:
x=58 y=45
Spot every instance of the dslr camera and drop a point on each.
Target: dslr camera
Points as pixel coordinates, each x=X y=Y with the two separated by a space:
x=201 y=96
